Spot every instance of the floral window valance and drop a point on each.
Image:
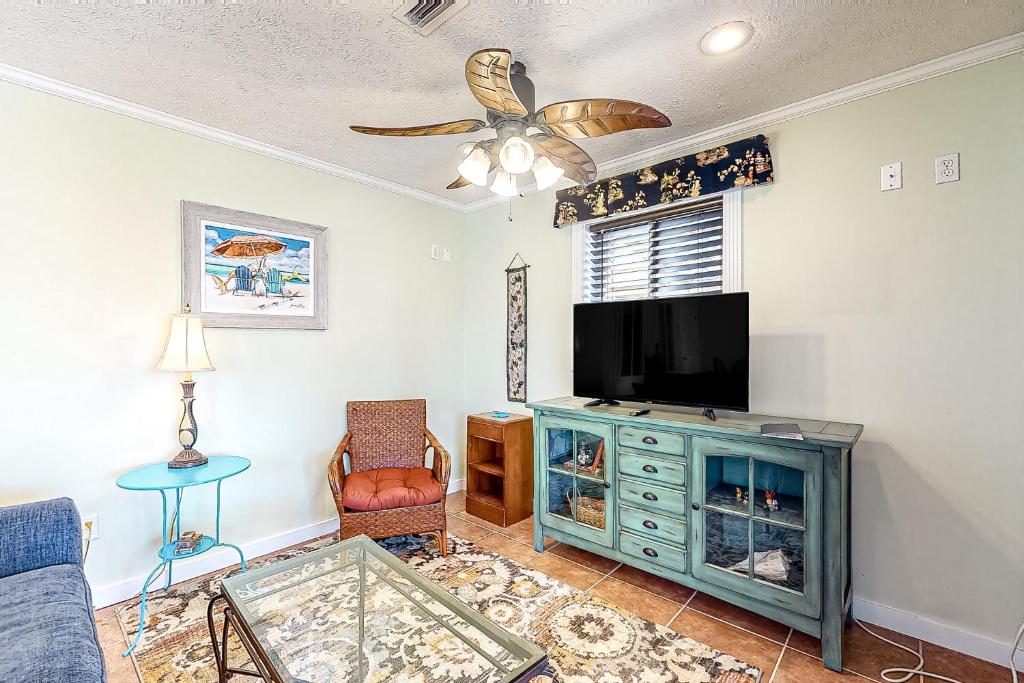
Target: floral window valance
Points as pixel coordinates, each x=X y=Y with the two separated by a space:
x=738 y=164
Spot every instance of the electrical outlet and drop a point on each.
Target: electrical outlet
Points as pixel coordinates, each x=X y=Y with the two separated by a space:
x=892 y=176
x=435 y=252
x=447 y=255
x=947 y=168
x=90 y=527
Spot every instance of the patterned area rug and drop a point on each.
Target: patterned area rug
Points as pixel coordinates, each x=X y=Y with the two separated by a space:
x=587 y=639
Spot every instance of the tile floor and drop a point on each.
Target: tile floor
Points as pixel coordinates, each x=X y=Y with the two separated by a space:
x=785 y=655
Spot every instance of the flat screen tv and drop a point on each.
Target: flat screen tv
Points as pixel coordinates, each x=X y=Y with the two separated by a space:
x=690 y=351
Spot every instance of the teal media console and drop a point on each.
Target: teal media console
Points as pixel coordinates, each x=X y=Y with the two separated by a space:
x=761 y=522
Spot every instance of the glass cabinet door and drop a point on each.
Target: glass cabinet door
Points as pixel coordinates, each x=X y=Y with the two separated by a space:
x=755 y=520
x=574 y=458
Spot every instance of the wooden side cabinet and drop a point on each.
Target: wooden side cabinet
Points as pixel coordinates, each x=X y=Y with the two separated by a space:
x=499 y=468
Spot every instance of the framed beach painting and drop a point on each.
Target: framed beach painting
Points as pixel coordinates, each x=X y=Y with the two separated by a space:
x=242 y=269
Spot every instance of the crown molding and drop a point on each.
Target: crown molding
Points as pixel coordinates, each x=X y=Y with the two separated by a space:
x=978 y=54
x=972 y=56
x=52 y=86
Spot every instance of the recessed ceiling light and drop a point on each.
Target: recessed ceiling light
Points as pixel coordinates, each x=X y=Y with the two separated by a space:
x=726 y=38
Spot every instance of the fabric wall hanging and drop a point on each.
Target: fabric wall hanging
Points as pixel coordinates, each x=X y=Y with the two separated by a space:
x=738 y=164
x=515 y=345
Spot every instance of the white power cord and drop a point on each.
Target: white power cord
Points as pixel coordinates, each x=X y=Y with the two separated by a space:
x=88 y=541
x=892 y=673
x=1013 y=651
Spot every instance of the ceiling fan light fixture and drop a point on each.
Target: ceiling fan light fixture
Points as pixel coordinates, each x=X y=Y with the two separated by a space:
x=475 y=167
x=726 y=38
x=516 y=155
x=515 y=131
x=546 y=173
x=504 y=184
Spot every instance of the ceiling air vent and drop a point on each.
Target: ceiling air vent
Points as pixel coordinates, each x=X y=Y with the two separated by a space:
x=426 y=15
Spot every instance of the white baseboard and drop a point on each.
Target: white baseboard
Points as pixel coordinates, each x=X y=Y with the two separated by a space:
x=211 y=561
x=946 y=635
x=215 y=560
x=892 y=618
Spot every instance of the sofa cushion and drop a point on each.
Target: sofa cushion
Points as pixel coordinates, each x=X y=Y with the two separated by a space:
x=47 y=628
x=390 y=488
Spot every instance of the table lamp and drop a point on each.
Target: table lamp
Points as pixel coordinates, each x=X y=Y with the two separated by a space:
x=186 y=352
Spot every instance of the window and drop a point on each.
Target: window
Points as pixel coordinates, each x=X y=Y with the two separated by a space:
x=689 y=249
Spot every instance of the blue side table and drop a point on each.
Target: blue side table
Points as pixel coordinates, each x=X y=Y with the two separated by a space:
x=161 y=478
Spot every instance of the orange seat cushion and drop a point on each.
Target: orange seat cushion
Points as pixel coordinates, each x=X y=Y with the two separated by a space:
x=391 y=487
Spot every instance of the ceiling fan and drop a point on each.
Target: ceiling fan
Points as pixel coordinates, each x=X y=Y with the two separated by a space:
x=528 y=139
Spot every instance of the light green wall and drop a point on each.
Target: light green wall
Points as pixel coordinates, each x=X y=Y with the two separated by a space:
x=91 y=262
x=901 y=310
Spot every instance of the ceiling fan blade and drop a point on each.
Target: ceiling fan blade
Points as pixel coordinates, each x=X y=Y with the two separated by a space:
x=487 y=75
x=568 y=156
x=449 y=128
x=457 y=183
x=594 y=118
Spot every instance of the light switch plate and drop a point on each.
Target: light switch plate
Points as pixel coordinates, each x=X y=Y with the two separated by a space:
x=892 y=176
x=447 y=255
x=435 y=252
x=947 y=168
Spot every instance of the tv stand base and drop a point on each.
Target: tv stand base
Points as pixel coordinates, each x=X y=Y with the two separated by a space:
x=709 y=413
x=600 y=402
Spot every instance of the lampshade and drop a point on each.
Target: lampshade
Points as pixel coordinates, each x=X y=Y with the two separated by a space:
x=516 y=155
x=475 y=167
x=546 y=173
x=186 y=347
x=504 y=184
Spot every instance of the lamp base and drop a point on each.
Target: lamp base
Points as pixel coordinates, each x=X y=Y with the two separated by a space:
x=187 y=458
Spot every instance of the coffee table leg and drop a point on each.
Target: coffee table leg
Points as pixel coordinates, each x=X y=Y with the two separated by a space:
x=220 y=658
x=220 y=648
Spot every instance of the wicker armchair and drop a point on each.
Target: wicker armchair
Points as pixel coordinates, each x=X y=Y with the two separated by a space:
x=388 y=490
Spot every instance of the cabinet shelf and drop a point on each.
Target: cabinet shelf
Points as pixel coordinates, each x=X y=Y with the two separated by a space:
x=495 y=467
x=490 y=497
x=597 y=477
x=790 y=514
x=723 y=499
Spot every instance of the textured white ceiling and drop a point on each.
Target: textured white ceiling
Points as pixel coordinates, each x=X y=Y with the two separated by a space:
x=296 y=75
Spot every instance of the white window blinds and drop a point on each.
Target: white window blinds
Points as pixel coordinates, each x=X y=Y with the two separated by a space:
x=671 y=253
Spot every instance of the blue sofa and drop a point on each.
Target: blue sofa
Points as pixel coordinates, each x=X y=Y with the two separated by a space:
x=46 y=618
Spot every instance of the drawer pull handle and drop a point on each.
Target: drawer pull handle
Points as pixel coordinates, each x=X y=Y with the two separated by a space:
x=650 y=440
x=650 y=496
x=650 y=468
x=650 y=552
x=649 y=524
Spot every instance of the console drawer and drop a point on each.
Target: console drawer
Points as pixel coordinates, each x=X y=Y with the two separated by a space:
x=652 y=551
x=652 y=440
x=653 y=525
x=658 y=470
x=649 y=497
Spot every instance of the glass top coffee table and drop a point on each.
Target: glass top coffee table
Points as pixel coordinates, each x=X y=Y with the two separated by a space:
x=354 y=612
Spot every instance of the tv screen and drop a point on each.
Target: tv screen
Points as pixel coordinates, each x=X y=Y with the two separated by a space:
x=689 y=351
